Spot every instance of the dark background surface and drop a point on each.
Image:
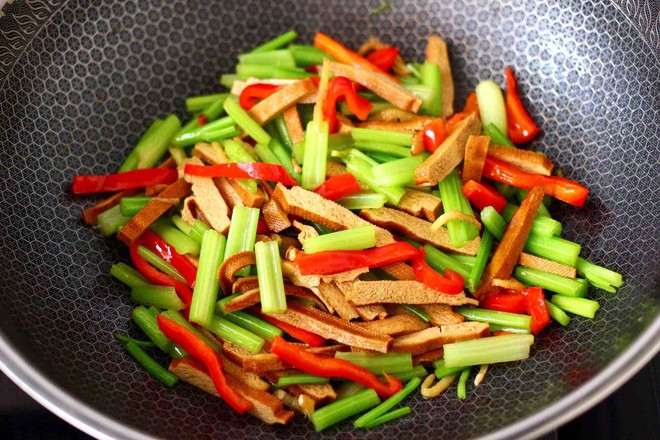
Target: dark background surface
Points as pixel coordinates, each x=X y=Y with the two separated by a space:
x=632 y=412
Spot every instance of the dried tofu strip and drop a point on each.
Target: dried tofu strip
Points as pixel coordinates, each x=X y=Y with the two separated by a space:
x=229 y=267
x=400 y=271
x=275 y=217
x=526 y=160
x=245 y=284
x=429 y=356
x=546 y=265
x=263 y=362
x=420 y=204
x=394 y=115
x=212 y=154
x=238 y=86
x=433 y=338
x=304 y=231
x=334 y=169
x=282 y=99
x=441 y=314
x=436 y=53
x=510 y=283
x=293 y=124
x=396 y=325
x=476 y=150
x=208 y=201
x=371 y=312
x=401 y=292
x=335 y=301
x=410 y=126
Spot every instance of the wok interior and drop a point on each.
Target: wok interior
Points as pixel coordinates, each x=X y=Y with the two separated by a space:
x=83 y=90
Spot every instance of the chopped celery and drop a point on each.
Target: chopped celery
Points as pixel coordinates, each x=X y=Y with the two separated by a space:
x=362 y=237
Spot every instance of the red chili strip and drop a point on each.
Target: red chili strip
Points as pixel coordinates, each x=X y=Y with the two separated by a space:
x=122 y=181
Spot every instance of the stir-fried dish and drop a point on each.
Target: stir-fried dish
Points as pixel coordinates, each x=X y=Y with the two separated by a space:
x=331 y=234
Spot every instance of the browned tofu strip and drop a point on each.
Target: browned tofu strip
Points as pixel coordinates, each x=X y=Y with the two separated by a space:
x=275 y=217
x=476 y=150
x=410 y=126
x=208 y=201
x=526 y=160
x=429 y=356
x=380 y=85
x=266 y=407
x=313 y=207
x=449 y=154
x=320 y=394
x=546 y=265
x=335 y=301
x=371 y=312
x=417 y=229
x=282 y=99
x=334 y=169
x=331 y=327
x=91 y=214
x=229 y=267
x=245 y=284
x=401 y=292
x=507 y=253
x=212 y=154
x=249 y=379
x=264 y=362
x=420 y=204
x=417 y=146
x=396 y=325
x=436 y=53
x=433 y=338
x=293 y=124
x=441 y=314
x=244 y=300
x=400 y=271
x=393 y=115
x=150 y=213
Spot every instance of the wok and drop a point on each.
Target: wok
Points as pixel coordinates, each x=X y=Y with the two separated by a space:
x=80 y=81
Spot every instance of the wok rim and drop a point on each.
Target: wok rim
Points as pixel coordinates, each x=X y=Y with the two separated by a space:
x=75 y=412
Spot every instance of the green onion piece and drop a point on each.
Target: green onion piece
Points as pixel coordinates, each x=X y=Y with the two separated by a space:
x=497 y=327
x=453 y=199
x=179 y=319
x=235 y=334
x=417 y=371
x=222 y=127
x=381 y=157
x=177 y=154
x=213 y=111
x=578 y=306
x=282 y=131
x=245 y=121
x=432 y=78
x=316 y=150
x=228 y=79
x=249 y=322
x=550 y=281
x=181 y=242
x=190 y=126
x=388 y=404
x=363 y=201
x=159 y=263
x=283 y=157
x=148 y=324
x=462 y=382
x=153 y=145
x=421 y=314
x=381 y=136
x=127 y=275
x=507 y=191
x=392 y=415
x=483 y=254
x=553 y=248
x=142 y=344
x=174 y=350
x=344 y=408
x=163 y=297
x=440 y=261
x=205 y=293
x=197 y=231
x=354 y=239
x=441 y=370
x=488 y=350
x=242 y=232
x=398 y=172
x=151 y=366
x=491 y=104
x=111 y=221
x=199 y=103
x=279 y=57
x=497 y=137
x=599 y=276
x=378 y=363
x=266 y=71
x=466 y=260
x=306 y=55
x=360 y=165
x=393 y=150
x=277 y=42
x=322 y=230
x=269 y=271
x=557 y=314
x=493 y=222
x=301 y=379
x=496 y=317
x=129 y=206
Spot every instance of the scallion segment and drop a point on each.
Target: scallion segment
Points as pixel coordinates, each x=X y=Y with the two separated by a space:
x=381 y=136
x=391 y=150
x=279 y=57
x=153 y=145
x=503 y=328
x=233 y=333
x=483 y=254
x=306 y=55
x=364 y=420
x=128 y=275
x=264 y=71
x=363 y=201
x=421 y=314
x=179 y=319
x=496 y=317
x=344 y=408
x=269 y=272
x=390 y=416
x=432 y=78
x=160 y=264
x=245 y=121
x=497 y=137
x=277 y=42
x=577 y=306
x=142 y=344
x=417 y=371
x=148 y=324
x=316 y=151
x=441 y=370
x=550 y=281
x=378 y=363
x=398 y=172
x=199 y=103
x=453 y=199
x=462 y=383
x=163 y=297
x=301 y=379
x=489 y=350
x=151 y=366
x=354 y=239
x=491 y=105
x=205 y=293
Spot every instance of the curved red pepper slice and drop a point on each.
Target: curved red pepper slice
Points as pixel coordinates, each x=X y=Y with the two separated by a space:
x=309 y=338
x=338 y=186
x=155 y=276
x=471 y=104
x=535 y=307
x=202 y=120
x=311 y=363
x=196 y=348
x=254 y=93
x=451 y=283
x=341 y=88
x=165 y=251
x=122 y=181
x=435 y=134
x=330 y=262
x=521 y=127
x=243 y=170
x=262 y=226
x=512 y=302
x=384 y=58
x=482 y=195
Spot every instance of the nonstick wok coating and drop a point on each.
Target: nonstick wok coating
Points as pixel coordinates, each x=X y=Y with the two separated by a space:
x=81 y=81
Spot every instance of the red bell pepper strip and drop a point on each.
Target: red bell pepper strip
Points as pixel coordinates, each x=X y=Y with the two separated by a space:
x=451 y=283
x=196 y=348
x=243 y=170
x=384 y=58
x=202 y=120
x=520 y=125
x=262 y=226
x=330 y=262
x=482 y=195
x=506 y=301
x=563 y=189
x=453 y=120
x=344 y=55
x=253 y=93
x=435 y=134
x=311 y=363
x=165 y=251
x=122 y=181
x=155 y=276
x=309 y=338
x=535 y=307
x=471 y=104
x=338 y=186
x=341 y=88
